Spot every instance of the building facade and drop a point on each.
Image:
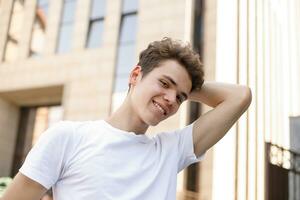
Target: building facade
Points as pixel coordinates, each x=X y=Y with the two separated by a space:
x=70 y=60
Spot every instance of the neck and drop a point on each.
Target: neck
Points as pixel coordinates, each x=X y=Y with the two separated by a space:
x=126 y=119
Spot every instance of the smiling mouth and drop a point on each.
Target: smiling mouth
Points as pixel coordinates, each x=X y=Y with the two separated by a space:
x=163 y=111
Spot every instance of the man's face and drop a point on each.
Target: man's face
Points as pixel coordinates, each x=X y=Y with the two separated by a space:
x=159 y=94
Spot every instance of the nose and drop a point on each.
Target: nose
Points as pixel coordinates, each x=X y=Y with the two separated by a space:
x=170 y=96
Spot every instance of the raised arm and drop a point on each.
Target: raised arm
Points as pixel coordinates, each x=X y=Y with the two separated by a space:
x=23 y=188
x=229 y=101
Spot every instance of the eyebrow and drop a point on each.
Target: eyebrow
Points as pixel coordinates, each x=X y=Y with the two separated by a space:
x=174 y=83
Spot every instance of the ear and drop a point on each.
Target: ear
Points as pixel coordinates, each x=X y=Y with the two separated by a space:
x=135 y=75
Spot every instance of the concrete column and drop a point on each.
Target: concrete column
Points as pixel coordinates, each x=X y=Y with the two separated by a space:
x=81 y=24
x=5 y=15
x=87 y=98
x=55 y=11
x=29 y=17
x=9 y=117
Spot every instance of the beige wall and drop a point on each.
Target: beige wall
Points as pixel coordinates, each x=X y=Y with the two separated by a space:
x=9 y=115
x=6 y=9
x=156 y=22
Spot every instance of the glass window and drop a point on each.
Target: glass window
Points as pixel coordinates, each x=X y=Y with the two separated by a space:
x=42 y=2
x=64 y=38
x=130 y=6
x=66 y=26
x=121 y=83
x=125 y=63
x=68 y=13
x=125 y=60
x=97 y=9
x=96 y=25
x=126 y=51
x=128 y=29
x=95 y=34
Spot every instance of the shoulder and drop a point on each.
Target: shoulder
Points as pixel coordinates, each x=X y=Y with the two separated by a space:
x=64 y=131
x=63 y=135
x=177 y=134
x=56 y=134
x=71 y=127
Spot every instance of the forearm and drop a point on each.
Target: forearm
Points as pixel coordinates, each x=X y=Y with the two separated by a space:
x=214 y=93
x=229 y=101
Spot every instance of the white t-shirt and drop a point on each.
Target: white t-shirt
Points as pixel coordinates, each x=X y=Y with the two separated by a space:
x=94 y=161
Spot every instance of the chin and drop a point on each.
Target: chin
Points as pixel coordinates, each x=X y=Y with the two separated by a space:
x=151 y=122
x=154 y=122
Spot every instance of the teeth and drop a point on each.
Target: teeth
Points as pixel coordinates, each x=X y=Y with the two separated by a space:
x=159 y=107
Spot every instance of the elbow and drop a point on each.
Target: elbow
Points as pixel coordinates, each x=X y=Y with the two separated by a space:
x=245 y=96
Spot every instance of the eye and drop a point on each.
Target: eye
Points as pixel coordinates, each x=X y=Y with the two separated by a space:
x=179 y=99
x=164 y=83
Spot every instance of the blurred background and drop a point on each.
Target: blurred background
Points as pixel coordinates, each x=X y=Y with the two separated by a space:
x=70 y=60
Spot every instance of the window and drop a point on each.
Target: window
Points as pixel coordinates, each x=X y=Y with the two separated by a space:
x=39 y=28
x=66 y=27
x=126 y=50
x=95 y=30
x=127 y=37
x=14 y=32
x=33 y=122
x=295 y=134
x=125 y=59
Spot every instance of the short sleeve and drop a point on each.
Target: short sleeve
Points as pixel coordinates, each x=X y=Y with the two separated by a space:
x=45 y=161
x=186 y=148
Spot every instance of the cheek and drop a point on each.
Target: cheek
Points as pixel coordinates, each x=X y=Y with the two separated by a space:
x=145 y=92
x=151 y=90
x=175 y=109
x=157 y=89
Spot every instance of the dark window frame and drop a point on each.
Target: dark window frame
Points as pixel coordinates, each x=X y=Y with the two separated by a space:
x=89 y=33
x=122 y=21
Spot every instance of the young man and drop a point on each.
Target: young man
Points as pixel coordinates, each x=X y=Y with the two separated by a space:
x=113 y=158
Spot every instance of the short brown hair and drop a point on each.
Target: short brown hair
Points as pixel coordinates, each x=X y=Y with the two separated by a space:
x=165 y=49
